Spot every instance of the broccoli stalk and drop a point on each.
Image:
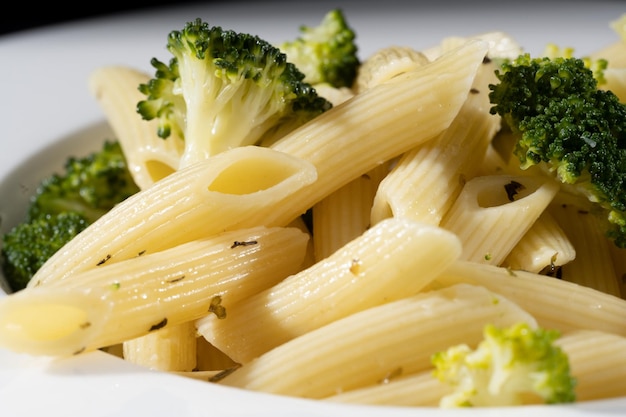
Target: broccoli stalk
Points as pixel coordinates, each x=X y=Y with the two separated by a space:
x=569 y=128
x=326 y=53
x=64 y=205
x=224 y=89
x=511 y=366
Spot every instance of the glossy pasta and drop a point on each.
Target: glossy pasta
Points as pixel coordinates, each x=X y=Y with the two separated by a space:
x=423 y=232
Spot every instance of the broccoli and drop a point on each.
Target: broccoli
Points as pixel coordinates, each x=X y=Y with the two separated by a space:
x=326 y=53
x=90 y=185
x=29 y=245
x=511 y=366
x=223 y=89
x=62 y=206
x=565 y=125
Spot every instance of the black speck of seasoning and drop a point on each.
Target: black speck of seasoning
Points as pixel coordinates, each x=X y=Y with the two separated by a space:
x=512 y=189
x=223 y=374
x=159 y=325
x=180 y=278
x=486 y=60
x=141 y=252
x=243 y=243
x=474 y=91
x=584 y=212
x=102 y=261
x=85 y=325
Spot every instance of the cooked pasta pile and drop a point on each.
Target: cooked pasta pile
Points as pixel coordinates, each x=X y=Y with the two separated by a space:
x=210 y=272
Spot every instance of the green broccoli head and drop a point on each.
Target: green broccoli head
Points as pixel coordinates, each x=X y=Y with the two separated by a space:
x=568 y=127
x=224 y=89
x=326 y=53
x=63 y=205
x=29 y=245
x=510 y=366
x=89 y=185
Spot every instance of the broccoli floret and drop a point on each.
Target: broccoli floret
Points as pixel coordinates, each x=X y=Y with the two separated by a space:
x=29 y=245
x=63 y=205
x=326 y=53
x=569 y=128
x=89 y=185
x=511 y=366
x=223 y=89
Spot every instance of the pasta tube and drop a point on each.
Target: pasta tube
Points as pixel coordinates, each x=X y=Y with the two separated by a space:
x=149 y=157
x=172 y=349
x=386 y=63
x=345 y=213
x=394 y=259
x=235 y=189
x=493 y=212
x=381 y=123
x=417 y=390
x=593 y=266
x=132 y=298
x=367 y=347
x=426 y=180
x=598 y=362
x=227 y=190
x=544 y=247
x=556 y=304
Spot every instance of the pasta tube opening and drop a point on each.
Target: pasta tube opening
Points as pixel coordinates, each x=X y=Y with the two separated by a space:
x=238 y=188
x=51 y=322
x=157 y=170
x=256 y=173
x=492 y=203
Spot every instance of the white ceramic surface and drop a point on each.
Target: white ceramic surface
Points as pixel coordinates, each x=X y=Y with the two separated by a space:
x=48 y=113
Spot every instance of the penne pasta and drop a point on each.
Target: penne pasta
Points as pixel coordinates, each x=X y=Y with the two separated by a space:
x=333 y=262
x=493 y=212
x=427 y=179
x=593 y=265
x=393 y=259
x=229 y=187
x=235 y=189
x=412 y=108
x=367 y=347
x=598 y=362
x=149 y=157
x=544 y=248
x=421 y=389
x=385 y=64
x=555 y=303
x=171 y=349
x=345 y=214
x=133 y=298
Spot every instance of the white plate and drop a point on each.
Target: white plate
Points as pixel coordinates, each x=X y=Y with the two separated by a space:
x=45 y=101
